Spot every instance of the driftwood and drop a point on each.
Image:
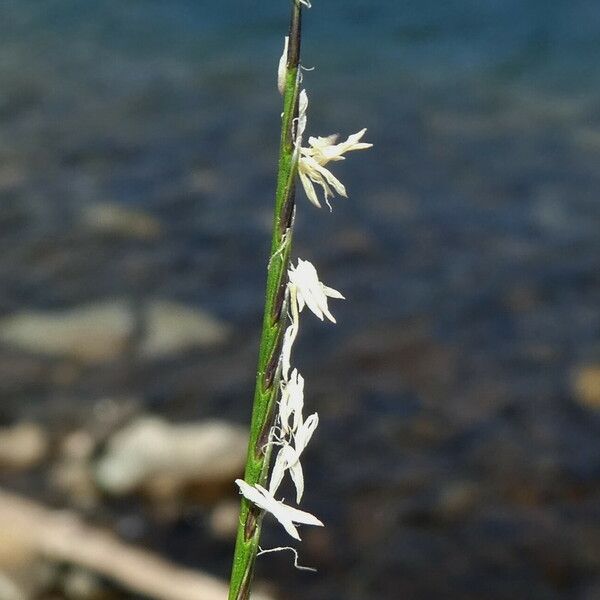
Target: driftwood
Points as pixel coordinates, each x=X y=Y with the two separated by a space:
x=29 y=530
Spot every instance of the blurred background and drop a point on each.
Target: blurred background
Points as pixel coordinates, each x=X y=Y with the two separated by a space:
x=459 y=451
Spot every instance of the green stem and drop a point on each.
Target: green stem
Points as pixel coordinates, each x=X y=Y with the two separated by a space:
x=274 y=323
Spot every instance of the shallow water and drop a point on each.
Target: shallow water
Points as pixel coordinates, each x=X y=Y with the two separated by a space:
x=453 y=458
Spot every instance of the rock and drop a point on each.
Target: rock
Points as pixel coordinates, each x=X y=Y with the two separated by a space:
x=456 y=500
x=353 y=243
x=76 y=480
x=11 y=176
x=72 y=474
x=62 y=539
x=103 y=331
x=205 y=181
x=22 y=446
x=116 y=220
x=9 y=590
x=80 y=584
x=78 y=446
x=172 y=328
x=91 y=334
x=20 y=374
x=587 y=139
x=586 y=386
x=151 y=450
x=224 y=519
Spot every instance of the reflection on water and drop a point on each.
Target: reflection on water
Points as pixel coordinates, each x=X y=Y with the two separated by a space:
x=458 y=454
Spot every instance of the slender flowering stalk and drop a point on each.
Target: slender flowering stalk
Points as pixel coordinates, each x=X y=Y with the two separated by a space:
x=277 y=415
x=267 y=386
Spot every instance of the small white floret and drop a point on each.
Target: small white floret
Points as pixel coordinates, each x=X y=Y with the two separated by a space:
x=285 y=458
x=305 y=432
x=291 y=402
x=310 y=291
x=289 y=337
x=282 y=70
x=302 y=118
x=286 y=515
x=314 y=158
x=324 y=149
x=288 y=458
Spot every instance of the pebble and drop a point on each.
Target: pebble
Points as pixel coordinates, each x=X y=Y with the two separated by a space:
x=586 y=386
x=102 y=331
x=22 y=446
x=151 y=450
x=91 y=334
x=9 y=589
x=174 y=328
x=120 y=221
x=224 y=519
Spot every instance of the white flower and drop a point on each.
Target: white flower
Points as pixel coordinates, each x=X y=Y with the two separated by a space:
x=311 y=172
x=313 y=159
x=306 y=3
x=282 y=70
x=320 y=152
x=288 y=458
x=289 y=337
x=302 y=118
x=304 y=433
x=286 y=515
x=324 y=149
x=308 y=290
x=291 y=402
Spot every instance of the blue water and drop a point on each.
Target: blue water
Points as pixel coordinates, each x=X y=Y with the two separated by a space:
x=468 y=250
x=557 y=41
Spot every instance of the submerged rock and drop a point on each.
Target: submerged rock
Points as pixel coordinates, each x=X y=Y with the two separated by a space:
x=104 y=331
x=91 y=334
x=586 y=386
x=9 y=590
x=224 y=519
x=22 y=446
x=152 y=451
x=115 y=220
x=171 y=328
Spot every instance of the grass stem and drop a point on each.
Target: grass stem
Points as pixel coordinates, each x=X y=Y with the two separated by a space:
x=274 y=323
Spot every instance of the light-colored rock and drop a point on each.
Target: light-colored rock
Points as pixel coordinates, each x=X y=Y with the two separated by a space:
x=456 y=499
x=61 y=537
x=76 y=480
x=11 y=176
x=103 y=331
x=224 y=519
x=114 y=219
x=9 y=590
x=586 y=386
x=171 y=328
x=72 y=473
x=82 y=585
x=77 y=445
x=206 y=181
x=22 y=446
x=152 y=449
x=92 y=334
